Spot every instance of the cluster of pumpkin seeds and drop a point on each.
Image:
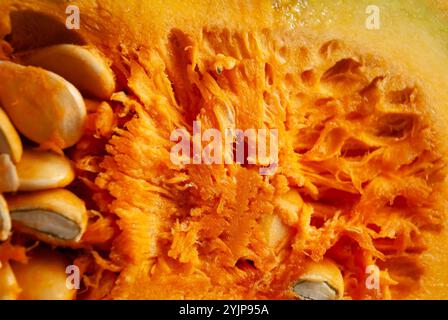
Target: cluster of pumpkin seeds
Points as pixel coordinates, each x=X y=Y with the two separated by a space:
x=41 y=102
x=40 y=98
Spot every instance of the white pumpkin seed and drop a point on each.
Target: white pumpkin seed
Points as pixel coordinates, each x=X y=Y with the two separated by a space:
x=43 y=277
x=43 y=106
x=314 y=290
x=9 y=288
x=5 y=220
x=55 y=216
x=320 y=281
x=83 y=66
x=10 y=142
x=41 y=170
x=9 y=180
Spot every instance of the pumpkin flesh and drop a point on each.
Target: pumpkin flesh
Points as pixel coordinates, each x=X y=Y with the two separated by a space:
x=361 y=141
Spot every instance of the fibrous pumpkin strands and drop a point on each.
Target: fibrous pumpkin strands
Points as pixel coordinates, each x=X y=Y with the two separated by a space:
x=360 y=180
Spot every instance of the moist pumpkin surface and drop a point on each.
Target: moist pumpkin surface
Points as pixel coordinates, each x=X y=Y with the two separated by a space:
x=361 y=149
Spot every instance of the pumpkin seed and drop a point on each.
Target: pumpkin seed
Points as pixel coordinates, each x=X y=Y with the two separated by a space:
x=320 y=281
x=55 y=216
x=43 y=106
x=83 y=66
x=5 y=220
x=10 y=142
x=276 y=232
x=40 y=170
x=43 y=277
x=9 y=289
x=9 y=181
